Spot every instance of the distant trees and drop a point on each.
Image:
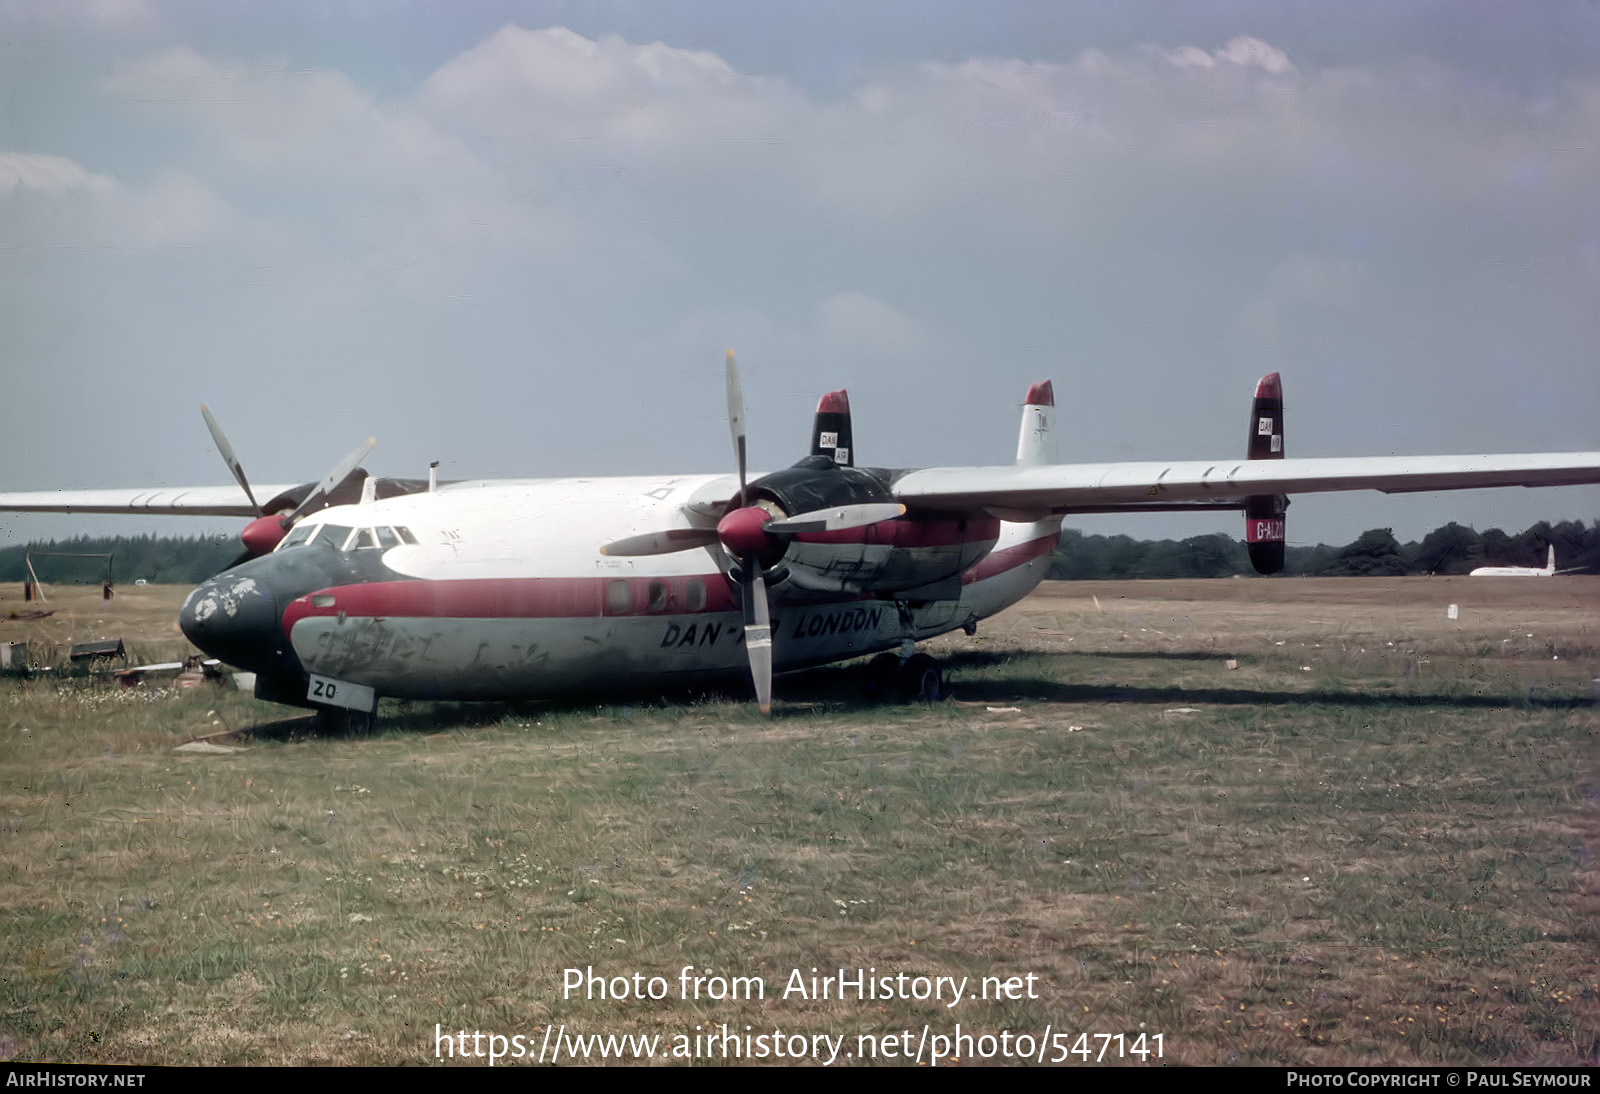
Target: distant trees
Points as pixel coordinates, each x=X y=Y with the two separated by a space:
x=1375 y=553
x=1112 y=557
x=1452 y=549
x=161 y=561
x=1449 y=550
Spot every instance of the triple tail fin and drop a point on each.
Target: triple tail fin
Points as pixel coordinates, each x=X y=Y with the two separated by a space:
x=1264 y=513
x=830 y=434
x=1036 y=440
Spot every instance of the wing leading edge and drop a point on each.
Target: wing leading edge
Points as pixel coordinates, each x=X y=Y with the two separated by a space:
x=182 y=501
x=1017 y=493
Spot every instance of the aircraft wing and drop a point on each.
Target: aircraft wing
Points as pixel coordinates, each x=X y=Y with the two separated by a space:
x=1032 y=492
x=188 y=501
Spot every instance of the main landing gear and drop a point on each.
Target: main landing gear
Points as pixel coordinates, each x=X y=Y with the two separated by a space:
x=916 y=679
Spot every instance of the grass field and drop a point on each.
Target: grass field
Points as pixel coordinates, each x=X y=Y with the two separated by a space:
x=1372 y=841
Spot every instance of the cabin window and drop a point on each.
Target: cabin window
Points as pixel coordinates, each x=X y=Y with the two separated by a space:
x=332 y=535
x=658 y=596
x=387 y=538
x=694 y=595
x=619 y=598
x=298 y=536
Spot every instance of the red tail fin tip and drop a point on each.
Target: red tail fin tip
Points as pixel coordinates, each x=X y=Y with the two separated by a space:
x=834 y=402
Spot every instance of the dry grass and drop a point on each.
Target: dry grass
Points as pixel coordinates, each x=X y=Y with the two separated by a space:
x=1350 y=852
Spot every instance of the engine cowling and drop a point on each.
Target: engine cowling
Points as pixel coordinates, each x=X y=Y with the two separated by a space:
x=891 y=556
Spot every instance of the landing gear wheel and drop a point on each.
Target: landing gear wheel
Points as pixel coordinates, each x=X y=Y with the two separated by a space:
x=337 y=722
x=881 y=681
x=920 y=680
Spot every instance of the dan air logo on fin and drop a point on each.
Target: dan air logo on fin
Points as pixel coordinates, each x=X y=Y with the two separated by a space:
x=1277 y=442
x=841 y=455
x=828 y=440
x=1263 y=427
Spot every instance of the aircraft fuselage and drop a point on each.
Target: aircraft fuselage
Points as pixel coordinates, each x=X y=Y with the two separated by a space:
x=499 y=590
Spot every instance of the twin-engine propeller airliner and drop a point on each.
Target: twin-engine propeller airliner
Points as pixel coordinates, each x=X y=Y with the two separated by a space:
x=354 y=588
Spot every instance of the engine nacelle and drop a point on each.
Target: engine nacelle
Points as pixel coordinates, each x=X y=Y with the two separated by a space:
x=890 y=557
x=882 y=559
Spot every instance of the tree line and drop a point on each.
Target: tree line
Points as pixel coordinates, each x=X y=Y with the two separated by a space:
x=160 y=560
x=1452 y=549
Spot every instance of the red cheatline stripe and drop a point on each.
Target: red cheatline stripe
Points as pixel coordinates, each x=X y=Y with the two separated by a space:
x=564 y=597
x=998 y=562
x=509 y=598
x=914 y=532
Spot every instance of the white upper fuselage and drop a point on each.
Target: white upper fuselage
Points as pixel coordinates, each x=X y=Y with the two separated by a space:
x=513 y=528
x=506 y=593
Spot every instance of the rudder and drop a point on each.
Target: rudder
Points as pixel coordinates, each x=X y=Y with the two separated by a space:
x=830 y=433
x=1036 y=439
x=1264 y=513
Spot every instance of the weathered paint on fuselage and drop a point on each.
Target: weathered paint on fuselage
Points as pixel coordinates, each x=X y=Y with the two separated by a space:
x=506 y=595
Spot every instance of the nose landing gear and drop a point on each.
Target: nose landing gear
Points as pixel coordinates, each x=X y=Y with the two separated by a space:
x=339 y=722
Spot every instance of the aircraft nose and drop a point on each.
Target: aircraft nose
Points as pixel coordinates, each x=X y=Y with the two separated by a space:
x=234 y=618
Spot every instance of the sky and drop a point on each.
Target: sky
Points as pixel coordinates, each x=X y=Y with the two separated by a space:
x=517 y=238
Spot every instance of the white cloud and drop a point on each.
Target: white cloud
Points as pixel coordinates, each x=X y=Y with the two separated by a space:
x=547 y=212
x=1250 y=52
x=46 y=173
x=55 y=201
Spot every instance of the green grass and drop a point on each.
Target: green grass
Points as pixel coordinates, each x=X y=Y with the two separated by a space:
x=1359 y=864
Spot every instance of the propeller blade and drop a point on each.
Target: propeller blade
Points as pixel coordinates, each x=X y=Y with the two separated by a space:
x=736 y=420
x=333 y=478
x=757 y=614
x=758 y=633
x=221 y=441
x=841 y=519
x=661 y=543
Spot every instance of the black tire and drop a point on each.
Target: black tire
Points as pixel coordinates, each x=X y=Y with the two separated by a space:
x=920 y=680
x=337 y=722
x=881 y=679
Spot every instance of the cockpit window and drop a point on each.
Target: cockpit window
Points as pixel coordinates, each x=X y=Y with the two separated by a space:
x=295 y=538
x=387 y=538
x=331 y=535
x=405 y=534
x=363 y=540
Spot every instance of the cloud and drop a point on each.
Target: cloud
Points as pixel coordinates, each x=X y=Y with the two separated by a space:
x=100 y=15
x=289 y=127
x=546 y=212
x=46 y=174
x=56 y=201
